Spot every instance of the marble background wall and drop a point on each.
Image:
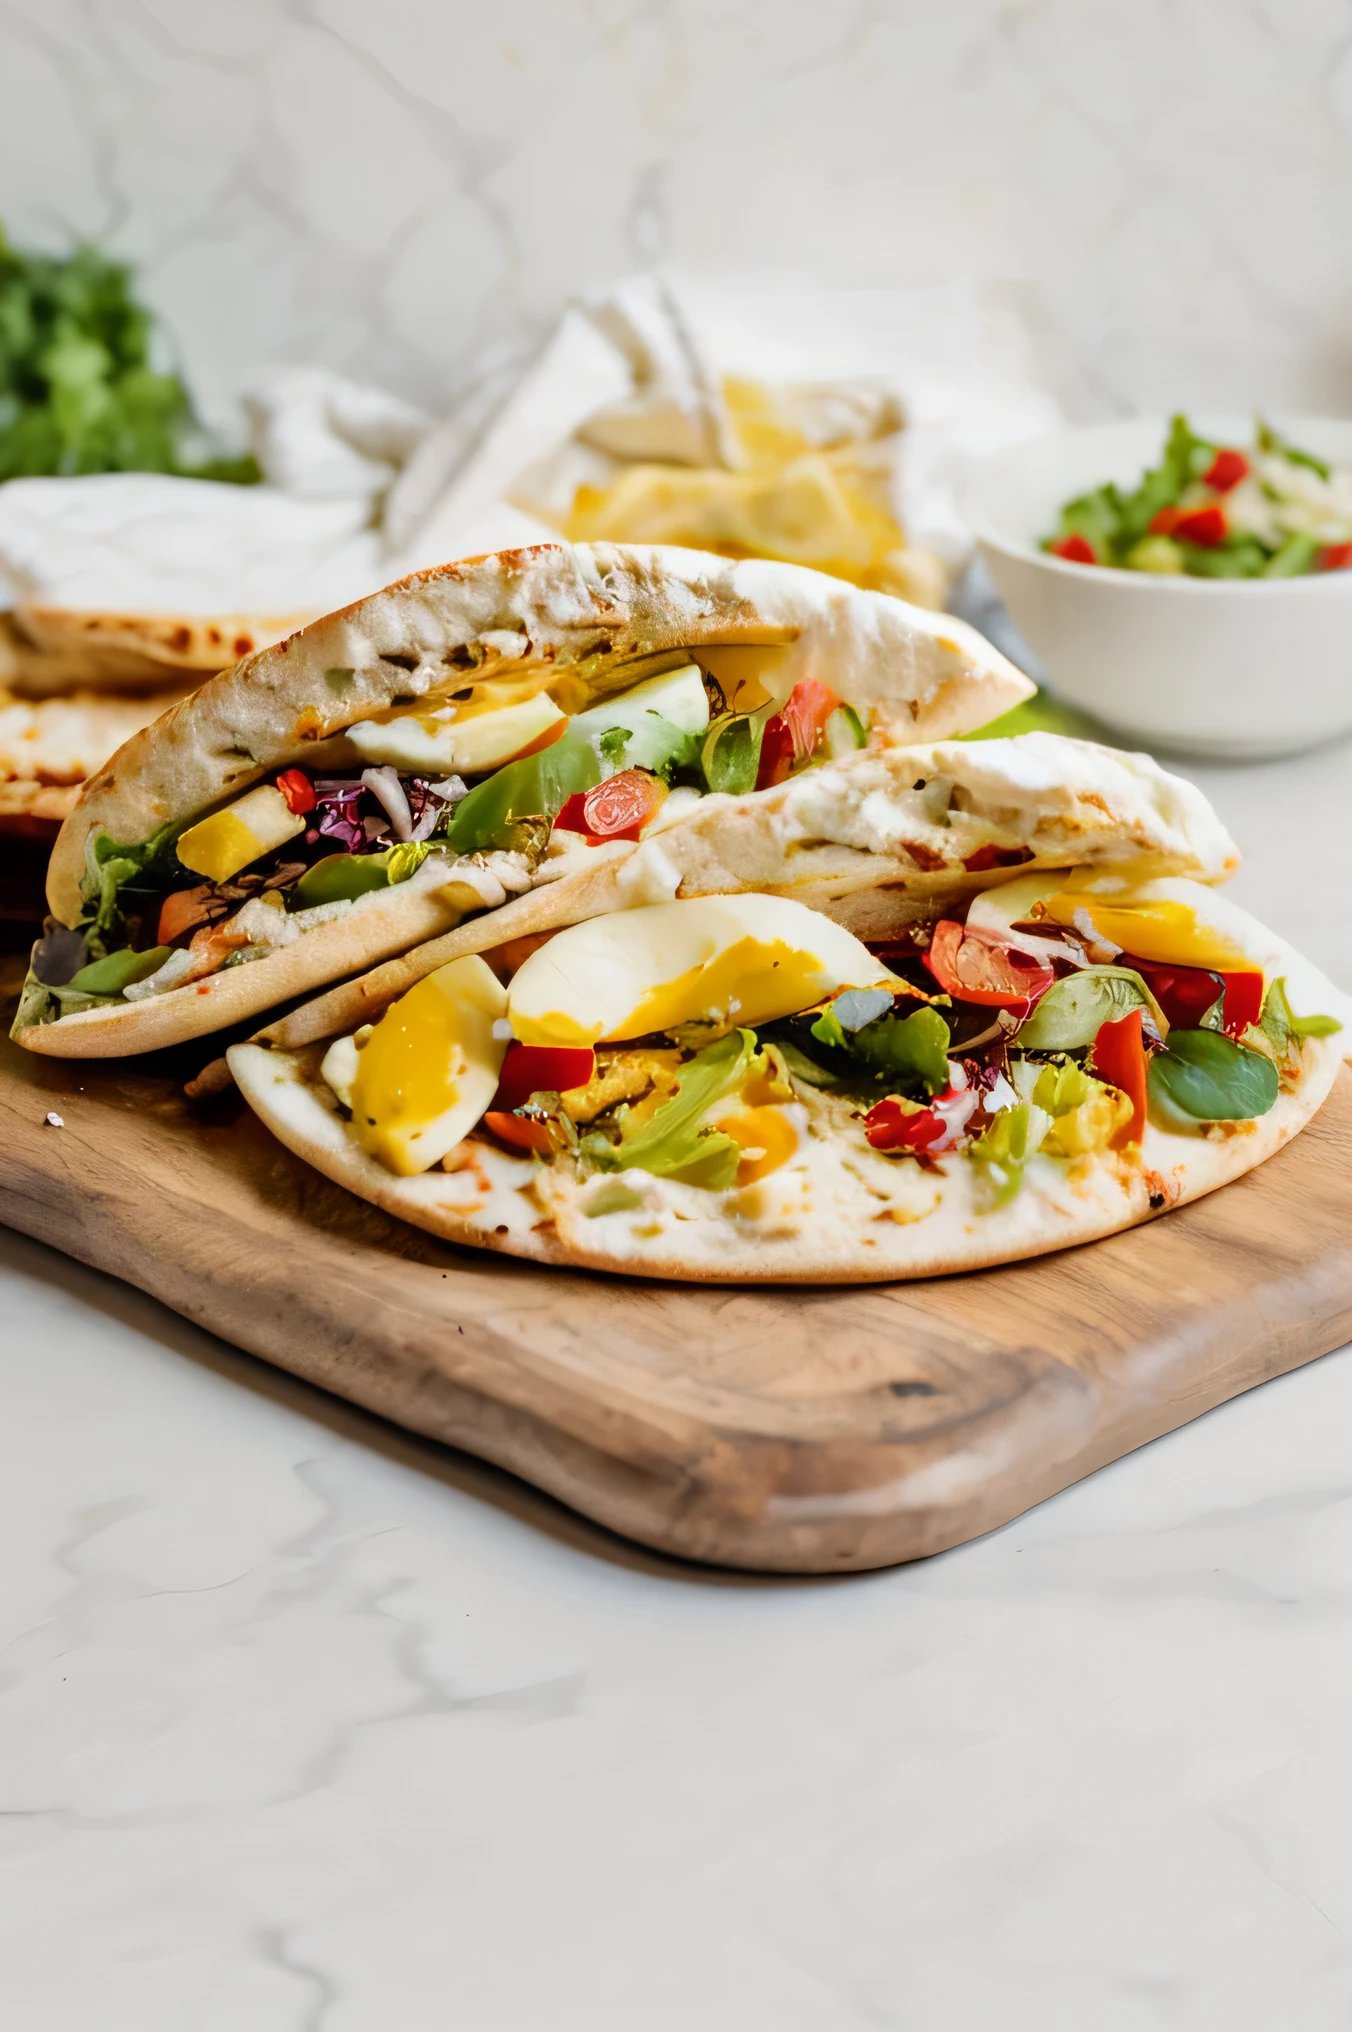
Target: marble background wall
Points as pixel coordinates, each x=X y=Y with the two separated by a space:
x=406 y=189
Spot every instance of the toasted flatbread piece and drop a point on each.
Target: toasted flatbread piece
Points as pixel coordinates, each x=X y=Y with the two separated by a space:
x=835 y=1212
x=48 y=652
x=48 y=747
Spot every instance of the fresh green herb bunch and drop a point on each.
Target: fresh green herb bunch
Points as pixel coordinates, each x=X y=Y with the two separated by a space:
x=77 y=391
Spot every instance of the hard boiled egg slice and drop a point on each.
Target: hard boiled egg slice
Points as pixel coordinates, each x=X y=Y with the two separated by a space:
x=219 y=846
x=421 y=741
x=723 y=959
x=429 y=1068
x=1171 y=920
x=1167 y=919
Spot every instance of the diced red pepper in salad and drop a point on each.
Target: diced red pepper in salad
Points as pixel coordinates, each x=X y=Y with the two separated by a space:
x=1074 y=549
x=1334 y=557
x=1203 y=526
x=541 y=1069
x=1164 y=521
x=1226 y=470
x=978 y=966
x=1119 y=1058
x=297 y=791
x=890 y=1126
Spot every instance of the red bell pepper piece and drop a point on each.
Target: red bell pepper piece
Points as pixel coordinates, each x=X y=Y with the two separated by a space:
x=1183 y=993
x=1334 y=557
x=1119 y=1058
x=573 y=816
x=1204 y=526
x=1074 y=549
x=523 y=1132
x=541 y=1069
x=776 y=754
x=889 y=1126
x=1226 y=470
x=978 y=966
x=297 y=790
x=1165 y=520
x=1243 y=1002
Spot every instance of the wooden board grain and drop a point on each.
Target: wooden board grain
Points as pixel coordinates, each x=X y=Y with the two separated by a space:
x=792 y=1430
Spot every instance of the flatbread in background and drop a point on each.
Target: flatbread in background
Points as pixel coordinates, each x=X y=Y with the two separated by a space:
x=48 y=747
x=48 y=652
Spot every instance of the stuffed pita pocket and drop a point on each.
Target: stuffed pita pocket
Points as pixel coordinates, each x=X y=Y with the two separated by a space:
x=736 y=1087
x=447 y=743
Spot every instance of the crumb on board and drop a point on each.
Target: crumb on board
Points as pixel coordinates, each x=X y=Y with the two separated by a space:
x=56 y=1121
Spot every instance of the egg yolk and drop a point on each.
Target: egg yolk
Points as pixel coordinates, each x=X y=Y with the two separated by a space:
x=408 y=1076
x=1168 y=932
x=750 y=981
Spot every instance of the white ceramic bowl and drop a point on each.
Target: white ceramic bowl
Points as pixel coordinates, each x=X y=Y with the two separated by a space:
x=1223 y=667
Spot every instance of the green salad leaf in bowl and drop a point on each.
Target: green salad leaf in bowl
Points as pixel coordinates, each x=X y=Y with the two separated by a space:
x=1214 y=511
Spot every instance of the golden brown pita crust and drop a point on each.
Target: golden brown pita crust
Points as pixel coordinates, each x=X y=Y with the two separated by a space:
x=47 y=652
x=589 y=606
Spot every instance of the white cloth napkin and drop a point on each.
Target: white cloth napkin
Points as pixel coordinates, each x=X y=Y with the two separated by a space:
x=360 y=487
x=636 y=371
x=308 y=539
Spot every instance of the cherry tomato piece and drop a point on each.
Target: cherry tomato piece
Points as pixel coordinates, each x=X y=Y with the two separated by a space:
x=1119 y=1058
x=1226 y=470
x=978 y=966
x=1074 y=549
x=617 y=809
x=297 y=790
x=805 y=713
x=542 y=1069
x=889 y=1126
x=1203 y=526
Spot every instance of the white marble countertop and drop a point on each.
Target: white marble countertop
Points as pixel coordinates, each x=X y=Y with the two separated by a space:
x=306 y=1724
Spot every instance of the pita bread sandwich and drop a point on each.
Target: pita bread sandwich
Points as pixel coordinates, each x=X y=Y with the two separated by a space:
x=470 y=734
x=1037 y=1024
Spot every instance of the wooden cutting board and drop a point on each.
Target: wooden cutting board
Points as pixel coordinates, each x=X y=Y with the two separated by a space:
x=799 y=1431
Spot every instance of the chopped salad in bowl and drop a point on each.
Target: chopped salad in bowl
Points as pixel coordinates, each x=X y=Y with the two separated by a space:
x=1216 y=511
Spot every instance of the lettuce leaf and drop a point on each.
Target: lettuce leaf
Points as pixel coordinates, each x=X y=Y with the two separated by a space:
x=671 y=1143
